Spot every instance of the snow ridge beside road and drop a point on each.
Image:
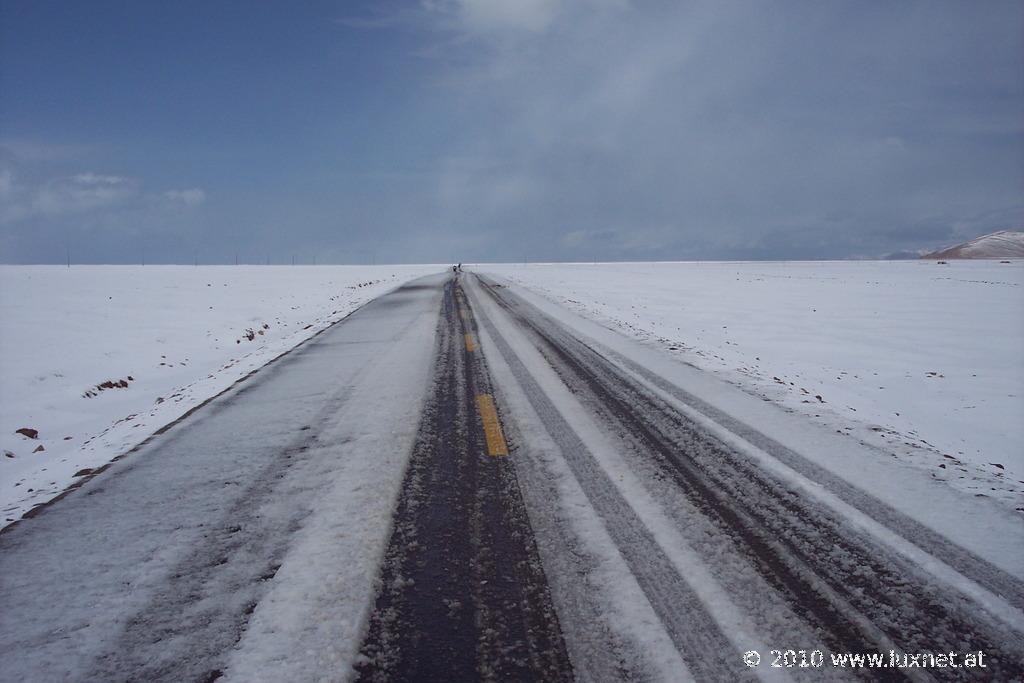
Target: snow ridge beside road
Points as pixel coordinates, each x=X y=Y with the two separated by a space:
x=97 y=358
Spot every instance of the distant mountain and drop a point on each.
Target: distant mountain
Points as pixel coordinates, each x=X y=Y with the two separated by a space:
x=1002 y=244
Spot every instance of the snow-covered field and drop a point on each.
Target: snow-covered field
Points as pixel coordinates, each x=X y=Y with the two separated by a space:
x=924 y=360
x=96 y=358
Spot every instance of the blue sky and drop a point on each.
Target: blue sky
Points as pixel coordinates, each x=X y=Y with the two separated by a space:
x=463 y=130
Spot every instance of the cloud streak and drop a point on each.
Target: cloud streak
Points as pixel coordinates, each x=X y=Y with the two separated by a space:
x=83 y=193
x=190 y=197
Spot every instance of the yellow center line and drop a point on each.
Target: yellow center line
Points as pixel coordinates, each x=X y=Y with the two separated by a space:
x=492 y=427
x=470 y=342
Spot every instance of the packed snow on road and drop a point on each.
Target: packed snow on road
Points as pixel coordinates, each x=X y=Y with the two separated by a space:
x=96 y=358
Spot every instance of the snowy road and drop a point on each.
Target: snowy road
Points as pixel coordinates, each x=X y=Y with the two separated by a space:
x=538 y=506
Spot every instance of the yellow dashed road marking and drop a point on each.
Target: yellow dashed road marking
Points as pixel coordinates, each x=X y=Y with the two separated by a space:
x=470 y=343
x=492 y=427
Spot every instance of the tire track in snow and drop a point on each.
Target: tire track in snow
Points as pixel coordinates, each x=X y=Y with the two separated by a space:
x=836 y=599
x=975 y=568
x=707 y=650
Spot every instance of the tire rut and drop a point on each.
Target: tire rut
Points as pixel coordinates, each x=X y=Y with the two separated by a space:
x=705 y=648
x=463 y=594
x=794 y=546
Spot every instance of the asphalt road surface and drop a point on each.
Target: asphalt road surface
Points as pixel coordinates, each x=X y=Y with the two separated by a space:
x=452 y=485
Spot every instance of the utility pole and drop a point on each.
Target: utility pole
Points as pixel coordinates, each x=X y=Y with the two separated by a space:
x=236 y=258
x=68 y=250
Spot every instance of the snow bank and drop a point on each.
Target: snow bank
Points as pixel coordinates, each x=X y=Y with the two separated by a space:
x=922 y=359
x=96 y=358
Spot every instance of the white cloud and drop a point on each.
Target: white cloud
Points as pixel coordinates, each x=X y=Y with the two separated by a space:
x=190 y=197
x=95 y=179
x=490 y=17
x=32 y=151
x=12 y=208
x=501 y=15
x=24 y=195
x=6 y=183
x=82 y=192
